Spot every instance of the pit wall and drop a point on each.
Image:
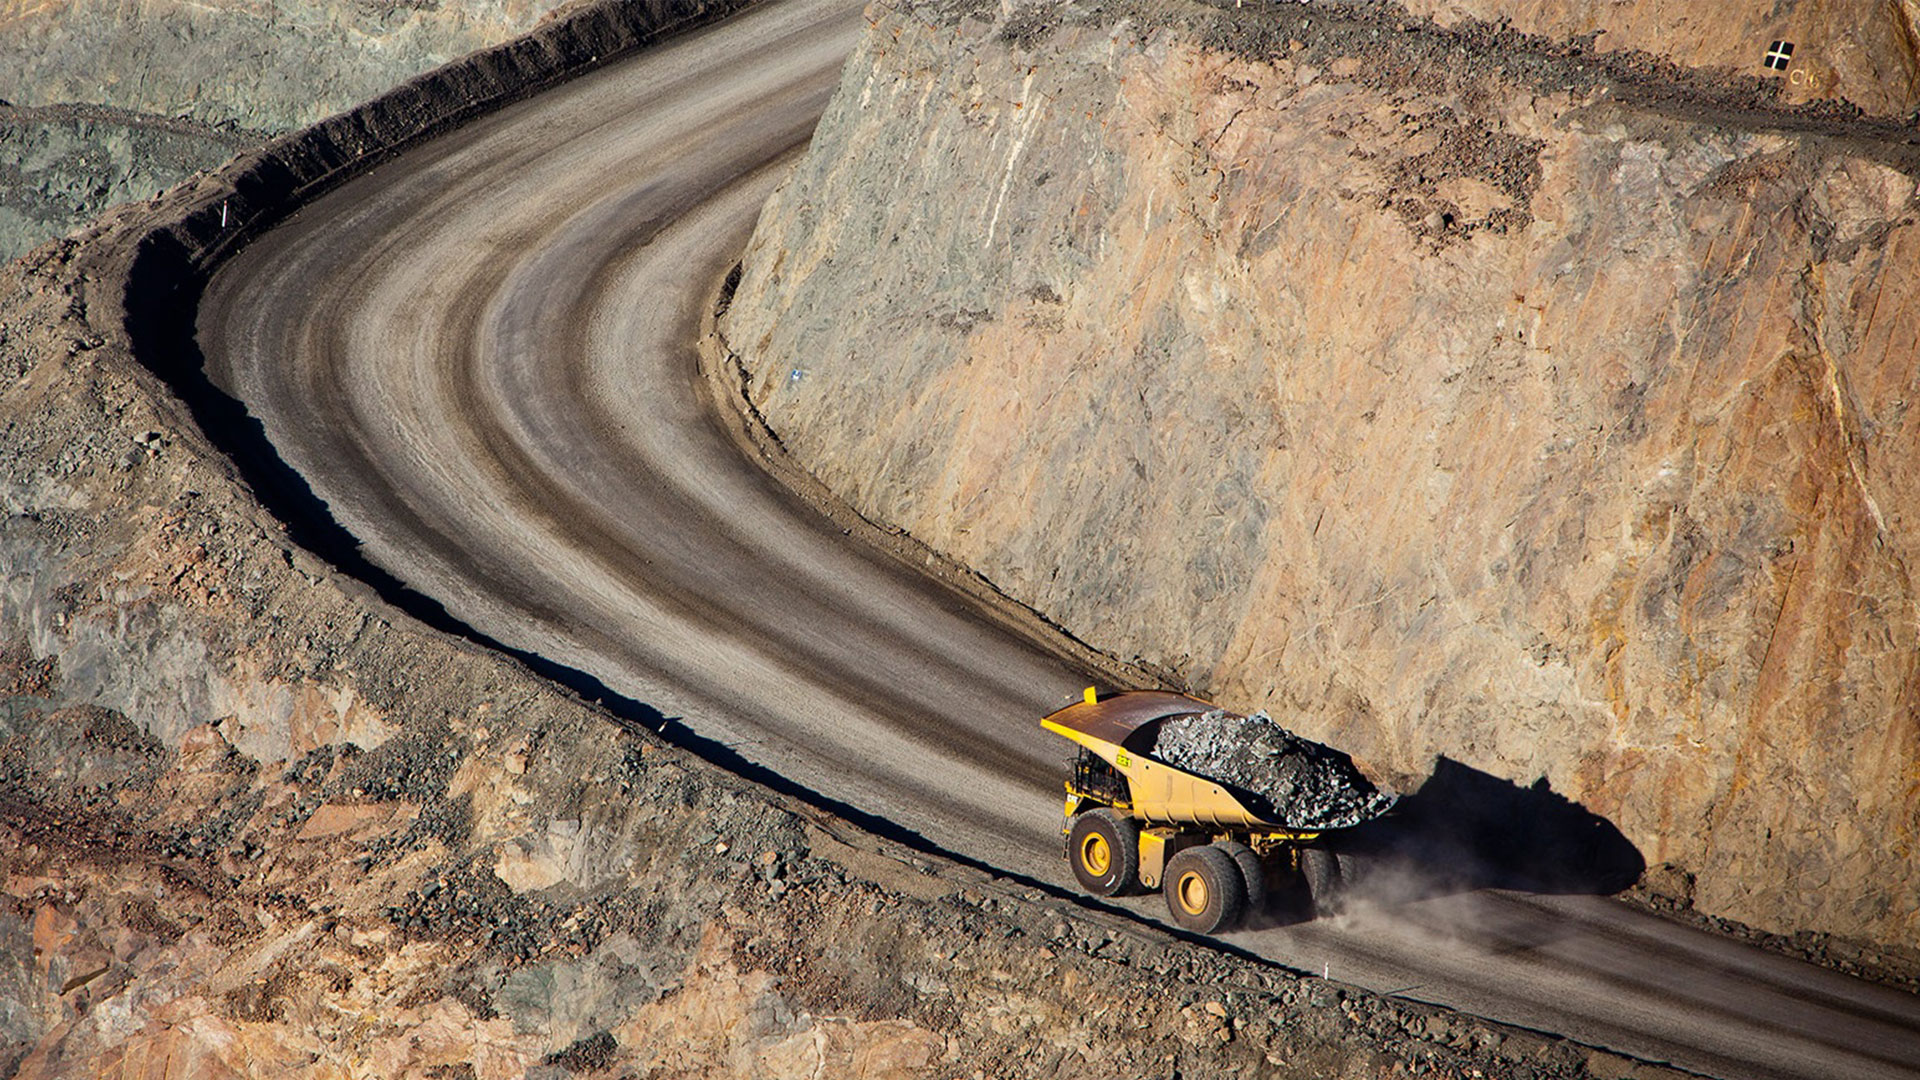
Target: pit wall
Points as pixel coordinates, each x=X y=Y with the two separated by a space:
x=1449 y=393
x=254 y=821
x=59 y=168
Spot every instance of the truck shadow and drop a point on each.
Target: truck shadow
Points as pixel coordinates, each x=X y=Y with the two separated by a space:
x=1465 y=829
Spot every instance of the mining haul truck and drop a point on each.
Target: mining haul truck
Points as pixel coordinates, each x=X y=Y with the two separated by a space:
x=1135 y=823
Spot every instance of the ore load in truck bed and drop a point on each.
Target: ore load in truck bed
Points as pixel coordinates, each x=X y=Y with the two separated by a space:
x=1284 y=778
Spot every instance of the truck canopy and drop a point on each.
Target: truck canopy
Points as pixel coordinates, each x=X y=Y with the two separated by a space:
x=1115 y=719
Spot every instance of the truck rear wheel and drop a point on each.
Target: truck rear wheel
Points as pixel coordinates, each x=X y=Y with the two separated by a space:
x=1206 y=892
x=1252 y=870
x=1321 y=873
x=1104 y=848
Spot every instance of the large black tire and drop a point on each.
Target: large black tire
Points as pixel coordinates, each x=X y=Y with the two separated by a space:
x=1353 y=871
x=1206 y=892
x=1253 y=871
x=1320 y=872
x=1104 y=848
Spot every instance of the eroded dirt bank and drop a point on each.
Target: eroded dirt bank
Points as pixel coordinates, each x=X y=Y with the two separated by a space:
x=1446 y=390
x=255 y=822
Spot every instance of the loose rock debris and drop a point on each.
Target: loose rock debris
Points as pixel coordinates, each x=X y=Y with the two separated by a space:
x=1279 y=775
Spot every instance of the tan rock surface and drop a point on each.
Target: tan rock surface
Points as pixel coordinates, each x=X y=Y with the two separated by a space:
x=1438 y=399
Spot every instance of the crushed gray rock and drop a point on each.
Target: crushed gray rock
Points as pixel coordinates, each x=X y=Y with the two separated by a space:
x=1279 y=775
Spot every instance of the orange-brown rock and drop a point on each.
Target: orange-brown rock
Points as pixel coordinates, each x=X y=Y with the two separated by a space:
x=1445 y=398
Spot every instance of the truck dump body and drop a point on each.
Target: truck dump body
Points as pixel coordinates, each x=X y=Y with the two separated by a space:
x=1187 y=761
x=1121 y=730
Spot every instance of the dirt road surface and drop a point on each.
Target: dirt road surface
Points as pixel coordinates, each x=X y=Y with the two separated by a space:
x=481 y=356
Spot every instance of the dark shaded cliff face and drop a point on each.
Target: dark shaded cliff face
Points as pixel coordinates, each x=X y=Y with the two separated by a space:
x=1448 y=392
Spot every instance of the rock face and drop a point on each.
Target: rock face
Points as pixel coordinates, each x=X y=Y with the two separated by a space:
x=254 y=822
x=268 y=66
x=1447 y=392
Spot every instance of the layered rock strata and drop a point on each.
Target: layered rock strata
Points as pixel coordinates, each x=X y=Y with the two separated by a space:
x=253 y=821
x=1448 y=392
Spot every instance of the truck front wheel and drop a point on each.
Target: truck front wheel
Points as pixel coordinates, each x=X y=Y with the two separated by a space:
x=1104 y=848
x=1205 y=890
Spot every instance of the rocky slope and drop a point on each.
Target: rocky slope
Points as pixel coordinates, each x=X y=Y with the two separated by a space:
x=116 y=100
x=253 y=821
x=62 y=165
x=1447 y=390
x=1867 y=55
x=266 y=66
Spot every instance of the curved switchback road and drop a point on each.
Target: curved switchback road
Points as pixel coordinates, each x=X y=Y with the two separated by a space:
x=481 y=356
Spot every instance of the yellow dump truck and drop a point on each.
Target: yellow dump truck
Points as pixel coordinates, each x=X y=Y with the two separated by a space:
x=1135 y=824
